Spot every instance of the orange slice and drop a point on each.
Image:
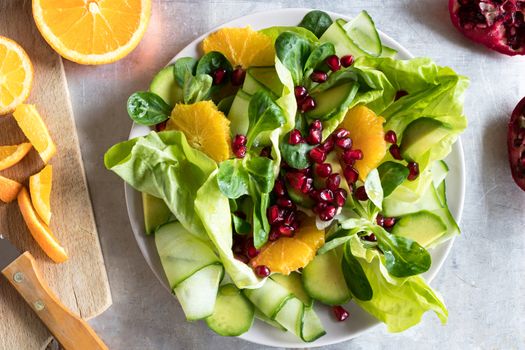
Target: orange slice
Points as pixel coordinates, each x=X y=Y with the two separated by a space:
x=241 y=46
x=33 y=126
x=16 y=75
x=40 y=231
x=289 y=254
x=40 y=189
x=92 y=31
x=366 y=131
x=206 y=128
x=8 y=189
x=10 y=155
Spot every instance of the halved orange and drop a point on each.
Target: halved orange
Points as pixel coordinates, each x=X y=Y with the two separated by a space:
x=33 y=126
x=16 y=75
x=205 y=127
x=92 y=31
x=289 y=254
x=40 y=189
x=11 y=155
x=241 y=46
x=367 y=134
x=40 y=231
x=8 y=189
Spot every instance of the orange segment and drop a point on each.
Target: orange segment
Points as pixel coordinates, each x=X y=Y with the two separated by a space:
x=8 y=189
x=366 y=131
x=33 y=126
x=241 y=46
x=289 y=254
x=206 y=128
x=16 y=75
x=40 y=231
x=92 y=31
x=40 y=189
x=10 y=155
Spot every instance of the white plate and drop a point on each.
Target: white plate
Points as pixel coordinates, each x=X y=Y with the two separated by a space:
x=359 y=321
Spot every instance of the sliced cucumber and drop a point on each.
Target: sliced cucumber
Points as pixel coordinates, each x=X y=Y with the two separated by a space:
x=270 y=298
x=293 y=282
x=225 y=104
x=439 y=172
x=290 y=316
x=336 y=35
x=312 y=328
x=323 y=279
x=332 y=101
x=181 y=253
x=156 y=212
x=420 y=136
x=388 y=52
x=362 y=31
x=266 y=319
x=197 y=294
x=268 y=77
x=233 y=313
x=238 y=114
x=164 y=85
x=423 y=227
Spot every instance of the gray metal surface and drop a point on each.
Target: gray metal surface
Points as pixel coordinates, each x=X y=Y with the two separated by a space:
x=482 y=281
x=8 y=252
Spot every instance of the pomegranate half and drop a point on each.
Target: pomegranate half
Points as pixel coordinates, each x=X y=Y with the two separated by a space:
x=516 y=144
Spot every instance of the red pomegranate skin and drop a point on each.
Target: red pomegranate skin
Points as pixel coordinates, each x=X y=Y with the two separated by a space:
x=516 y=144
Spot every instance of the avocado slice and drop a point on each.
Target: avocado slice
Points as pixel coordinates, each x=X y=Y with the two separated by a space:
x=164 y=85
x=333 y=101
x=421 y=135
x=156 y=212
x=238 y=114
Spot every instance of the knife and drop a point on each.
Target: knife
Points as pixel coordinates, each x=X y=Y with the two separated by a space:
x=21 y=271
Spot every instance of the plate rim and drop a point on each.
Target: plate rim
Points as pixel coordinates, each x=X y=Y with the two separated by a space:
x=457 y=149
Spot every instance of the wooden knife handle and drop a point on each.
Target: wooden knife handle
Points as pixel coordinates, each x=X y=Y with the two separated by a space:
x=69 y=330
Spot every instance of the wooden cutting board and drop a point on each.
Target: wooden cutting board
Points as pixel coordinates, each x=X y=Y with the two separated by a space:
x=81 y=282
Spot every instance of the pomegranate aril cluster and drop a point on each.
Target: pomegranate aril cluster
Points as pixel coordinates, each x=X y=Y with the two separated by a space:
x=239 y=146
x=282 y=215
x=413 y=167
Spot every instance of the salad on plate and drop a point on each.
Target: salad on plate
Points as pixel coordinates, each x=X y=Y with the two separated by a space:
x=293 y=166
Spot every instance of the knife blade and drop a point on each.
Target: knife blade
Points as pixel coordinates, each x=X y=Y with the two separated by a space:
x=20 y=269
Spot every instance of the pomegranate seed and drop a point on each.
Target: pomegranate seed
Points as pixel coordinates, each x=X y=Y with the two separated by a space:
x=242 y=258
x=274 y=234
x=326 y=195
x=323 y=170
x=351 y=174
x=289 y=218
x=355 y=154
x=219 y=75
x=275 y=214
x=252 y=252
x=344 y=143
x=328 y=213
x=340 y=313
x=328 y=145
x=262 y=271
x=308 y=185
x=340 y=196
x=346 y=61
x=238 y=76
x=314 y=137
x=333 y=63
x=391 y=136
x=370 y=238
x=279 y=188
x=316 y=125
x=239 y=140
x=360 y=193
x=285 y=202
x=307 y=104
x=389 y=222
x=314 y=194
x=286 y=230
x=341 y=133
x=318 y=155
x=296 y=180
x=333 y=182
x=318 y=76
x=306 y=171
x=161 y=126
x=240 y=152
x=266 y=152
x=400 y=94
x=413 y=167
x=319 y=207
x=300 y=92
x=395 y=152
x=295 y=137
x=380 y=220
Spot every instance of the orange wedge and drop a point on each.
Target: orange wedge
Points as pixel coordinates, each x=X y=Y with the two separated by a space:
x=16 y=75
x=40 y=189
x=40 y=231
x=289 y=254
x=33 y=126
x=10 y=155
x=241 y=46
x=92 y=31
x=366 y=131
x=8 y=189
x=206 y=128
